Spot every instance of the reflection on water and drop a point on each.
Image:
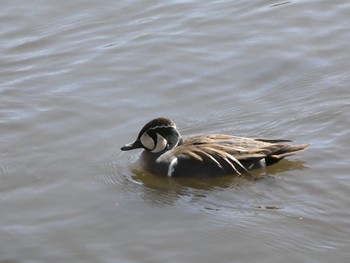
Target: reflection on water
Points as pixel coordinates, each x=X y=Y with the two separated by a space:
x=161 y=190
x=160 y=182
x=167 y=190
x=227 y=195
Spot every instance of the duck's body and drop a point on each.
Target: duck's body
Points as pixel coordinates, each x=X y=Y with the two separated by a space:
x=166 y=153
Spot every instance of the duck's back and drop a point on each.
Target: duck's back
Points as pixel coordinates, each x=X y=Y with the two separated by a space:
x=218 y=154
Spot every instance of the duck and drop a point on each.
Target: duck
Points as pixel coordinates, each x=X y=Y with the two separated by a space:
x=167 y=153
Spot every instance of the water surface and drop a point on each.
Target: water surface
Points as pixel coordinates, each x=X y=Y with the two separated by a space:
x=79 y=79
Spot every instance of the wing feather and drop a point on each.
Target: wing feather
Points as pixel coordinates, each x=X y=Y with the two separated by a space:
x=234 y=153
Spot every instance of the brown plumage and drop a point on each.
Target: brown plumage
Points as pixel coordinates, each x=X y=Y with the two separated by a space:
x=206 y=155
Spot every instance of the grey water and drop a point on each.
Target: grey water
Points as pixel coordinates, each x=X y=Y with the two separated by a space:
x=79 y=79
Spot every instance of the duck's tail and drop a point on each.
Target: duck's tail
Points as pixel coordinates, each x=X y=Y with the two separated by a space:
x=284 y=150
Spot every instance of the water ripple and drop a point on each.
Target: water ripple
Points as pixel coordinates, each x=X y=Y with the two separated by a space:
x=190 y=195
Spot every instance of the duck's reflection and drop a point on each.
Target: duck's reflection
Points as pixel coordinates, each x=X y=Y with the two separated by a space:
x=166 y=190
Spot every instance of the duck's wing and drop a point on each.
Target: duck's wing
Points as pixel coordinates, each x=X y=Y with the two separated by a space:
x=235 y=154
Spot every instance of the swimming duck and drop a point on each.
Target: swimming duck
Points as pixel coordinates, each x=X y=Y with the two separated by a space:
x=166 y=153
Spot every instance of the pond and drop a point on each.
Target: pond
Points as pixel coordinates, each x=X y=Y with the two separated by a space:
x=80 y=79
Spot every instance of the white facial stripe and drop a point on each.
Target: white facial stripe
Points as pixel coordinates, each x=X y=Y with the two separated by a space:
x=163 y=126
x=161 y=144
x=147 y=141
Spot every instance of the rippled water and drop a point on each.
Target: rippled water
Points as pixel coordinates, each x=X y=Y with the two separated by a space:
x=79 y=79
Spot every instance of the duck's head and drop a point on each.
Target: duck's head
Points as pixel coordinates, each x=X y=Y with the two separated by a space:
x=158 y=135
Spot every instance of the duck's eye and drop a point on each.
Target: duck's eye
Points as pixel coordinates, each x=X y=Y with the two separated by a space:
x=147 y=141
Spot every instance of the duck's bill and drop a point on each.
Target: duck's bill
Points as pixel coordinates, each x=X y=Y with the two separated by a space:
x=130 y=146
